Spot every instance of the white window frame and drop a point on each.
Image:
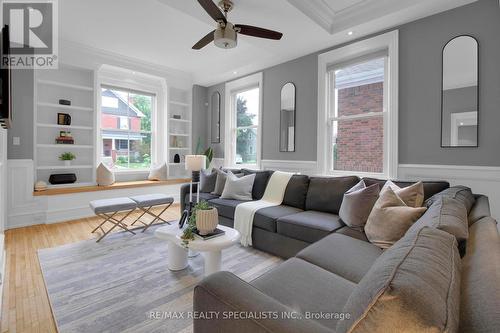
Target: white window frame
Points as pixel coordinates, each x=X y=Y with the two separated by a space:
x=388 y=41
x=109 y=76
x=232 y=89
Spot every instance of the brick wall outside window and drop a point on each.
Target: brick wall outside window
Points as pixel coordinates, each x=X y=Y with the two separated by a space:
x=360 y=143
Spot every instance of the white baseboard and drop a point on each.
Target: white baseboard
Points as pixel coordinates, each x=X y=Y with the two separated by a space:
x=482 y=180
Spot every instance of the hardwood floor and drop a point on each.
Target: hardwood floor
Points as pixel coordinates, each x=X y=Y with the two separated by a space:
x=25 y=306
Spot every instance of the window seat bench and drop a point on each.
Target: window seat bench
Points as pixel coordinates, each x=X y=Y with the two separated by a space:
x=115 y=186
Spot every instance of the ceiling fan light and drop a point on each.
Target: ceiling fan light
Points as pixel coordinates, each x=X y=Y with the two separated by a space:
x=226 y=38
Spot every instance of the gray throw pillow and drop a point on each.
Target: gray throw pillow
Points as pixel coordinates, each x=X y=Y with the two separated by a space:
x=207 y=181
x=358 y=203
x=238 y=188
x=220 y=181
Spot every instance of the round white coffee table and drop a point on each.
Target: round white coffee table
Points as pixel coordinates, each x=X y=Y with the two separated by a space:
x=211 y=248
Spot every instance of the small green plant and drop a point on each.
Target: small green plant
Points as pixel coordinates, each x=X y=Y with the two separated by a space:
x=188 y=234
x=67 y=156
x=209 y=152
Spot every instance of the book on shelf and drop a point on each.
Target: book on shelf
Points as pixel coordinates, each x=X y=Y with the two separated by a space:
x=216 y=233
x=65 y=140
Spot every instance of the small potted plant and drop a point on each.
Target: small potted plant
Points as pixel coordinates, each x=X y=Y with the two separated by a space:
x=204 y=218
x=67 y=158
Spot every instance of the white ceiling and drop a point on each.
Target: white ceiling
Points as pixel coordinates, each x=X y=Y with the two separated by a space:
x=162 y=31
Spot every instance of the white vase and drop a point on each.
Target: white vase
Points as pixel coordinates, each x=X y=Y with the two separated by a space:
x=67 y=163
x=207 y=220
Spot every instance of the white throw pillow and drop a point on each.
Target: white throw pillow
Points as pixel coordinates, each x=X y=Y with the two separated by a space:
x=159 y=172
x=104 y=175
x=238 y=188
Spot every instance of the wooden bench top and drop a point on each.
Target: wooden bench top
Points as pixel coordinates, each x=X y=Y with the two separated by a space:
x=115 y=186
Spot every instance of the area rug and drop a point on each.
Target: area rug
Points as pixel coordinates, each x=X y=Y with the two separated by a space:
x=116 y=285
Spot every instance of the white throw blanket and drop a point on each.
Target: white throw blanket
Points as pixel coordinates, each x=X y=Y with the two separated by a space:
x=273 y=196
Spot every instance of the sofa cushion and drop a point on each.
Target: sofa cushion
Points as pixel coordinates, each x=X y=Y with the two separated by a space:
x=306 y=288
x=445 y=214
x=343 y=255
x=480 y=287
x=358 y=203
x=260 y=183
x=413 y=286
x=480 y=209
x=430 y=187
x=265 y=218
x=296 y=191
x=390 y=219
x=308 y=226
x=460 y=193
x=226 y=207
x=354 y=233
x=325 y=194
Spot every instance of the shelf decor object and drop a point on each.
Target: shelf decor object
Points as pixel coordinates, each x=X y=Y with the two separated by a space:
x=62 y=178
x=177 y=158
x=64 y=102
x=63 y=119
x=177 y=116
x=67 y=157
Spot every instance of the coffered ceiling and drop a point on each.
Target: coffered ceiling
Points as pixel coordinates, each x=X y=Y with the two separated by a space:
x=162 y=31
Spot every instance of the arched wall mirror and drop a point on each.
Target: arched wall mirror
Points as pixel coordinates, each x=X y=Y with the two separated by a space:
x=215 y=122
x=287 y=118
x=460 y=93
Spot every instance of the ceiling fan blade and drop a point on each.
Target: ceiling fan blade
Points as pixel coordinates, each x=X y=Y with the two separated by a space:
x=204 y=41
x=212 y=10
x=258 y=32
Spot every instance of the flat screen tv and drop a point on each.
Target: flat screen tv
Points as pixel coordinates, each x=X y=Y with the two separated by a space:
x=5 y=82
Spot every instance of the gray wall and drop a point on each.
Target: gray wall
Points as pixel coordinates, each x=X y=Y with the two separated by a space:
x=199 y=117
x=456 y=101
x=420 y=48
x=22 y=109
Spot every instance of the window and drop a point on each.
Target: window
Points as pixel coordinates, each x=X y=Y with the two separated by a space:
x=244 y=101
x=358 y=104
x=247 y=120
x=126 y=134
x=356 y=94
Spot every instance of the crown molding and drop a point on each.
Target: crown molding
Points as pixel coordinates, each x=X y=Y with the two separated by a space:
x=368 y=10
x=82 y=55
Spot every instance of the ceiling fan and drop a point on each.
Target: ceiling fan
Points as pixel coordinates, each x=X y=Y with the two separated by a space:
x=226 y=34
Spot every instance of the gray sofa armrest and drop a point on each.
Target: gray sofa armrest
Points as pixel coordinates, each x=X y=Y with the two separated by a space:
x=223 y=294
x=184 y=191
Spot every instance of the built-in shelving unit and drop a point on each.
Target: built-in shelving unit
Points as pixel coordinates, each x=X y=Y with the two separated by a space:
x=179 y=138
x=76 y=85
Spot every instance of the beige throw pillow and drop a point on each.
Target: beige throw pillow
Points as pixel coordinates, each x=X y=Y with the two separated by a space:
x=390 y=219
x=104 y=175
x=413 y=195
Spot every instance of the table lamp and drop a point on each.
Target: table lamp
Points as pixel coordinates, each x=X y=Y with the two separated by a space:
x=194 y=163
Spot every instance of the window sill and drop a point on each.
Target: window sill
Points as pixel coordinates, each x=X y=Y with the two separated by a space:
x=115 y=186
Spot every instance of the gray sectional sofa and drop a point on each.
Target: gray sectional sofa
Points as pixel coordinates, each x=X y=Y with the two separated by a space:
x=309 y=211
x=336 y=281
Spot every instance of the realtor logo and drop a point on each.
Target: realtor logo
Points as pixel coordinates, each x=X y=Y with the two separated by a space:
x=33 y=34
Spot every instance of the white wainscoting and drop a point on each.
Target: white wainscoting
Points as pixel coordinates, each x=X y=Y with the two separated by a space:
x=482 y=180
x=24 y=209
x=303 y=167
